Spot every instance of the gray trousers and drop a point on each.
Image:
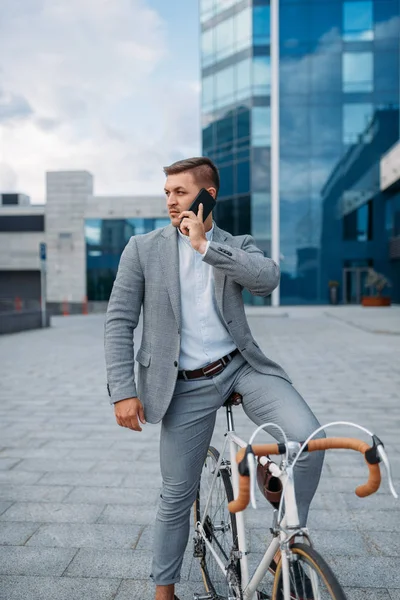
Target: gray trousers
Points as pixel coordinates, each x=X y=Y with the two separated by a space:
x=186 y=433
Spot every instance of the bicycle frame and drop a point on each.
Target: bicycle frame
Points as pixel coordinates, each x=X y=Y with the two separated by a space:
x=288 y=527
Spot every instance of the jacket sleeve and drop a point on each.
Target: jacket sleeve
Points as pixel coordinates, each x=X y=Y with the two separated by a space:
x=121 y=320
x=246 y=265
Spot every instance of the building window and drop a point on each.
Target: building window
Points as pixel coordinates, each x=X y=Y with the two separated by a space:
x=260 y=126
x=358 y=72
x=221 y=5
x=208 y=93
x=21 y=223
x=225 y=87
x=243 y=79
x=206 y=10
x=356 y=118
x=261 y=75
x=261 y=25
x=358 y=21
x=243 y=29
x=207 y=47
x=357 y=225
x=224 y=39
x=261 y=216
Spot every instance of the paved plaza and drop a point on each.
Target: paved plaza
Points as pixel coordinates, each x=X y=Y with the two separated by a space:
x=78 y=494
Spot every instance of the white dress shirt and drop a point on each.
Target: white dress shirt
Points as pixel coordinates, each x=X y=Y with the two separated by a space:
x=204 y=337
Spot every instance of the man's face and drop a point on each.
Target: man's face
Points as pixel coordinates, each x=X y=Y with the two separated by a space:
x=180 y=191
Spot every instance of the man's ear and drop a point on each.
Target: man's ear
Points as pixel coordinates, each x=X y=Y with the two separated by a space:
x=213 y=192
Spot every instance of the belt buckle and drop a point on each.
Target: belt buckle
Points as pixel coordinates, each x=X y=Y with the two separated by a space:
x=213 y=371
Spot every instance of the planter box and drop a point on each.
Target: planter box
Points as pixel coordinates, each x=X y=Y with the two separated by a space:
x=376 y=301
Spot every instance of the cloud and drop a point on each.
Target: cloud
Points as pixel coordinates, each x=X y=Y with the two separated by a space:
x=94 y=86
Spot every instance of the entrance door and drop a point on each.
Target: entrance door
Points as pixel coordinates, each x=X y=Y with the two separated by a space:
x=354 y=284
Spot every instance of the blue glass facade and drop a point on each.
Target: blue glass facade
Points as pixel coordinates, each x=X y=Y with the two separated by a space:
x=105 y=241
x=339 y=67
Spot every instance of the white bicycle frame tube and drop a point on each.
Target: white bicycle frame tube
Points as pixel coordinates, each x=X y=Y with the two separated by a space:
x=290 y=520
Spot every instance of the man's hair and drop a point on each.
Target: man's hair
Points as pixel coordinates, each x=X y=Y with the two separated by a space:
x=205 y=172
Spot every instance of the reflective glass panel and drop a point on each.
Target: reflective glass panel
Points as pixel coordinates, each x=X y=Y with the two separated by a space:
x=208 y=93
x=242 y=177
x=261 y=126
x=243 y=29
x=243 y=79
x=356 y=118
x=358 y=21
x=224 y=87
x=243 y=125
x=261 y=216
x=358 y=72
x=206 y=10
x=224 y=40
x=261 y=25
x=261 y=75
x=221 y=5
x=207 y=47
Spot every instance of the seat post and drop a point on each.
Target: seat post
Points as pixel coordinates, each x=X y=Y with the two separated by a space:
x=229 y=418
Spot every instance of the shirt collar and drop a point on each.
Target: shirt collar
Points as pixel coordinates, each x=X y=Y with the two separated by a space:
x=185 y=238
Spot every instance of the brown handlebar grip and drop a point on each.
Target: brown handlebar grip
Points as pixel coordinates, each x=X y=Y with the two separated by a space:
x=374 y=479
x=243 y=498
x=244 y=495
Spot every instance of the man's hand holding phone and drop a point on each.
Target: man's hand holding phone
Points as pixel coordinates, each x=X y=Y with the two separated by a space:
x=193 y=226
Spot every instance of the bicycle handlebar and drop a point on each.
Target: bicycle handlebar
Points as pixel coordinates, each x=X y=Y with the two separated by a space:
x=371 y=486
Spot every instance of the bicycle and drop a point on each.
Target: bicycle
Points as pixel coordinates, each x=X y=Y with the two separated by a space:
x=300 y=573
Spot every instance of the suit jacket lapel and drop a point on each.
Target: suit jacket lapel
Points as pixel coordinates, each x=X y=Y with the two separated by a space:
x=169 y=259
x=219 y=277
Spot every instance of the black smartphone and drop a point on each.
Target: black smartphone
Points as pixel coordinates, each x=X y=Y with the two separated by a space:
x=204 y=198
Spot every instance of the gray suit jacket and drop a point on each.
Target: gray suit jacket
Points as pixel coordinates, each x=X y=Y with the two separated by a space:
x=148 y=275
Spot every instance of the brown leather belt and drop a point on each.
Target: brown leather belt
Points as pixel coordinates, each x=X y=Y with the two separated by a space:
x=210 y=370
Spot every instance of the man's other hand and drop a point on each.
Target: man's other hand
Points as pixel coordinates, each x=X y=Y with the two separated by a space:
x=129 y=412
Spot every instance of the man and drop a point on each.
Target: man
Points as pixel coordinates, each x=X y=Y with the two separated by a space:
x=189 y=278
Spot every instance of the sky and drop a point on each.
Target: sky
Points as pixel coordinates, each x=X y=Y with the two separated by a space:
x=107 y=86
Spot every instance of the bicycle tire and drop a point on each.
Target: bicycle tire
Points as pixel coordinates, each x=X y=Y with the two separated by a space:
x=310 y=561
x=213 y=579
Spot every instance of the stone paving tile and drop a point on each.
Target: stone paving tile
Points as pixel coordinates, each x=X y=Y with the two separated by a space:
x=33 y=452
x=4 y=505
x=383 y=543
x=8 y=463
x=19 y=477
x=110 y=563
x=50 y=464
x=366 y=594
x=56 y=512
x=93 y=535
x=16 y=534
x=366 y=572
x=57 y=588
x=113 y=495
x=32 y=493
x=394 y=594
x=120 y=513
x=77 y=479
x=20 y=560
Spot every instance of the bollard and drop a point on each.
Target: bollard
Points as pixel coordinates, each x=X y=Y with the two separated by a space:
x=65 y=308
x=85 y=310
x=18 y=303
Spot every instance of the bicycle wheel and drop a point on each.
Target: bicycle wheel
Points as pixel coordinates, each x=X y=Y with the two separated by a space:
x=310 y=577
x=220 y=529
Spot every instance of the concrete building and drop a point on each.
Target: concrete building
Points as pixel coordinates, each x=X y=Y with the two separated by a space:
x=85 y=235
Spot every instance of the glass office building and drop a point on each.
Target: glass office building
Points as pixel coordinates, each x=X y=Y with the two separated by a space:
x=339 y=66
x=105 y=241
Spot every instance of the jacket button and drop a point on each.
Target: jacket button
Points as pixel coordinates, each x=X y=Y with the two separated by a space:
x=175 y=364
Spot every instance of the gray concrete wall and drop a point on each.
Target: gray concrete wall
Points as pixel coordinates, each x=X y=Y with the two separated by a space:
x=12 y=322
